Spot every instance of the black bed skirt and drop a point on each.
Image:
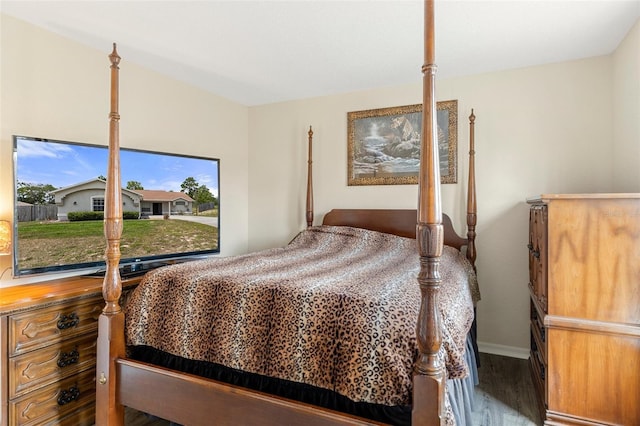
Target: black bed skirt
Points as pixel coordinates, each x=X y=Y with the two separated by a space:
x=394 y=415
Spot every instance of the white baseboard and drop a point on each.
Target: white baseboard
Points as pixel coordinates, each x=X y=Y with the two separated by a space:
x=511 y=351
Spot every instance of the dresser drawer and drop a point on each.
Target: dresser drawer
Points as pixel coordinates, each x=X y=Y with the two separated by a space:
x=538 y=331
x=50 y=364
x=53 y=402
x=85 y=416
x=36 y=329
x=538 y=254
x=539 y=372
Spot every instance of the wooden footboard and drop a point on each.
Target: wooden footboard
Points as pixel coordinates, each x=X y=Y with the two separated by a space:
x=224 y=404
x=193 y=400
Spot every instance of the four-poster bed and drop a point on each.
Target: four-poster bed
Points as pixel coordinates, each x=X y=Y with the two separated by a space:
x=191 y=399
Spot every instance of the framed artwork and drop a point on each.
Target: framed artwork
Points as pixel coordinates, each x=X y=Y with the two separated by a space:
x=384 y=144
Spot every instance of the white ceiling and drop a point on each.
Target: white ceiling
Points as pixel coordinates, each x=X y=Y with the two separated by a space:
x=259 y=52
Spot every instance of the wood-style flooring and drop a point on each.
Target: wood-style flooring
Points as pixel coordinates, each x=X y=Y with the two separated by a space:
x=504 y=397
x=135 y=418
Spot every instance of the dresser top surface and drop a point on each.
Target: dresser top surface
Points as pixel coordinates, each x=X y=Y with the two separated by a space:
x=43 y=293
x=593 y=196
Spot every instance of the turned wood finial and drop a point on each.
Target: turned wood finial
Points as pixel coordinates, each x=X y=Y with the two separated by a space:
x=114 y=57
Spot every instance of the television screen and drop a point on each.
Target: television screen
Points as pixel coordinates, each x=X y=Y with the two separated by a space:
x=170 y=206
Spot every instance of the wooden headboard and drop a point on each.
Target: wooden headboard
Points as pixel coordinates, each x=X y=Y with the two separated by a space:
x=400 y=222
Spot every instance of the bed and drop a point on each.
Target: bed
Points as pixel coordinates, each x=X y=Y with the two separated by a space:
x=383 y=330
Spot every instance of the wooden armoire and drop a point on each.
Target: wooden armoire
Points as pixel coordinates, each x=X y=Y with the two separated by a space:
x=584 y=269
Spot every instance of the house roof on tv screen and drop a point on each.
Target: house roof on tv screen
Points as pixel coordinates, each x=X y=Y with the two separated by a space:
x=72 y=188
x=146 y=194
x=159 y=195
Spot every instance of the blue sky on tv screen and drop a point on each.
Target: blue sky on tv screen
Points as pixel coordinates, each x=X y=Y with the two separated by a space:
x=62 y=164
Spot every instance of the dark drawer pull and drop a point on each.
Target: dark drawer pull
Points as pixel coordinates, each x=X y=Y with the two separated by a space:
x=536 y=321
x=70 y=395
x=68 y=321
x=68 y=358
x=534 y=349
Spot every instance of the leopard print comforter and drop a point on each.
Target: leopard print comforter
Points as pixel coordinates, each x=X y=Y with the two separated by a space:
x=336 y=308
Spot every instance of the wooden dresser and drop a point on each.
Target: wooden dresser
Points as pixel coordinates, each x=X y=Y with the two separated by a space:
x=584 y=269
x=48 y=334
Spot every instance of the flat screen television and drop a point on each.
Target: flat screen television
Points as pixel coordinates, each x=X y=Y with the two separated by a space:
x=170 y=206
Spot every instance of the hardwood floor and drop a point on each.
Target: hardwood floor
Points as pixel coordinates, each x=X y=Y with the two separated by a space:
x=136 y=418
x=504 y=397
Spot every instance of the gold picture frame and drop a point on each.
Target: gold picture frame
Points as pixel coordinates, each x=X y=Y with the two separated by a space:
x=384 y=144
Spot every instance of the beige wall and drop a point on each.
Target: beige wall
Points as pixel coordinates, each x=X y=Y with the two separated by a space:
x=538 y=130
x=626 y=120
x=54 y=88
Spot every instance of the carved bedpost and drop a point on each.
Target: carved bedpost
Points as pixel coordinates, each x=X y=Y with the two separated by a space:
x=471 y=194
x=310 y=180
x=111 y=322
x=112 y=286
x=429 y=376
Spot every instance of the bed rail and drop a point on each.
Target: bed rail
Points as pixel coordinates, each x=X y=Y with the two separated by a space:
x=226 y=403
